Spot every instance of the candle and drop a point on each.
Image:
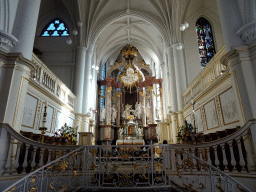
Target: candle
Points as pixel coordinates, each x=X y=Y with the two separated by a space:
x=46 y=103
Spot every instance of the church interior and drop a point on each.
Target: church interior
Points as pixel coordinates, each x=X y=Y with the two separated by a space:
x=127 y=95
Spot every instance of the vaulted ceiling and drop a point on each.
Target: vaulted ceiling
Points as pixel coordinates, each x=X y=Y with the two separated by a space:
x=108 y=25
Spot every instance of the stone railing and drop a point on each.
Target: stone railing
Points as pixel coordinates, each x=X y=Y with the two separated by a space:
x=234 y=153
x=50 y=82
x=20 y=155
x=206 y=77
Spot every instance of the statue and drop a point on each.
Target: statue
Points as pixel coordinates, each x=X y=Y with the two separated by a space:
x=137 y=110
x=113 y=113
x=127 y=111
x=148 y=108
x=103 y=113
x=120 y=132
x=157 y=113
x=140 y=132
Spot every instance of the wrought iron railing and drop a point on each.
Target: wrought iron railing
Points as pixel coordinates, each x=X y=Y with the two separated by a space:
x=127 y=167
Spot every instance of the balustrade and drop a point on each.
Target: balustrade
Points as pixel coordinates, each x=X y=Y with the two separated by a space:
x=233 y=150
x=206 y=77
x=24 y=155
x=45 y=78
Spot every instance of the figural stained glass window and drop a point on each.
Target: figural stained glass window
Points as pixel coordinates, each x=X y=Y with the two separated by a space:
x=103 y=88
x=205 y=41
x=56 y=28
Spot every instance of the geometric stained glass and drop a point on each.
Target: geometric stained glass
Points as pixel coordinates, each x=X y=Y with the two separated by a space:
x=205 y=41
x=56 y=28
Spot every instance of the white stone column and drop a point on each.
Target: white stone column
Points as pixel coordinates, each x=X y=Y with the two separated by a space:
x=231 y=21
x=174 y=118
x=180 y=77
x=173 y=93
x=25 y=26
x=86 y=91
x=79 y=78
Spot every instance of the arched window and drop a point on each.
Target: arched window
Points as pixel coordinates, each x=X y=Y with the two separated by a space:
x=103 y=88
x=205 y=41
x=56 y=28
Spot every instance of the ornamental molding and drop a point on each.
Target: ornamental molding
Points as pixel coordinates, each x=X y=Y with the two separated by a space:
x=248 y=32
x=7 y=41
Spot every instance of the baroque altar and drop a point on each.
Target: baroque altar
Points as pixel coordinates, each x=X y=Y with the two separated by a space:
x=129 y=113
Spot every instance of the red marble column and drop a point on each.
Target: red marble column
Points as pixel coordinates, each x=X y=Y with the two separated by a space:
x=108 y=106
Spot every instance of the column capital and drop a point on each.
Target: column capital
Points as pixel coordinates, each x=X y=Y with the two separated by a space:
x=150 y=88
x=7 y=41
x=109 y=89
x=118 y=94
x=82 y=47
x=176 y=44
x=248 y=32
x=173 y=116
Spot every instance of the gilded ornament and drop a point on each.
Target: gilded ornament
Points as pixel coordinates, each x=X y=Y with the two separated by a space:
x=144 y=156
x=241 y=189
x=50 y=166
x=143 y=93
x=159 y=165
x=115 y=167
x=63 y=165
x=136 y=166
x=109 y=89
x=93 y=166
x=147 y=166
x=202 y=186
x=159 y=178
x=129 y=51
x=144 y=176
x=32 y=180
x=219 y=187
x=50 y=186
x=33 y=189
x=108 y=156
x=12 y=189
x=150 y=88
x=94 y=152
x=63 y=188
x=74 y=174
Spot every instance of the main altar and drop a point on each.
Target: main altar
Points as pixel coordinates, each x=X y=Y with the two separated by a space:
x=128 y=113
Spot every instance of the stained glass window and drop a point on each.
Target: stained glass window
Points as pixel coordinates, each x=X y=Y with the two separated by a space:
x=205 y=41
x=103 y=88
x=56 y=28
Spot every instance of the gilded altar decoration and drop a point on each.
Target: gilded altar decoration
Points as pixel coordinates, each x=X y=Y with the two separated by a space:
x=130 y=77
x=128 y=51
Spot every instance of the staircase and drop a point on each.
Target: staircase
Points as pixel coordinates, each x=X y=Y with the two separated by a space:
x=126 y=168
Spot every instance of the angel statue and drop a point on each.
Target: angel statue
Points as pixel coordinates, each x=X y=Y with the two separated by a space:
x=113 y=113
x=103 y=113
x=127 y=111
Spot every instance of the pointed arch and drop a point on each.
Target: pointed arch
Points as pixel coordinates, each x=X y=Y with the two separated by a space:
x=205 y=41
x=55 y=28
